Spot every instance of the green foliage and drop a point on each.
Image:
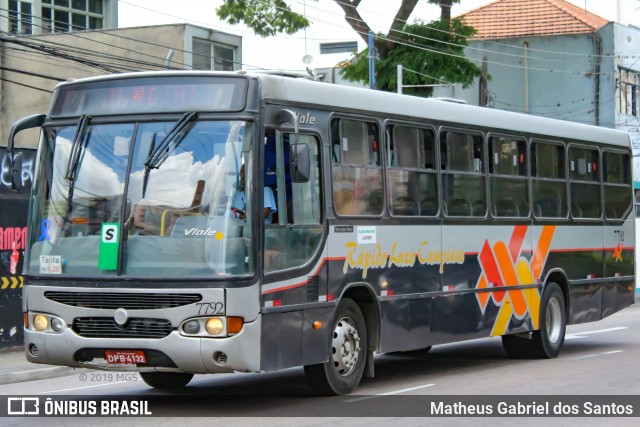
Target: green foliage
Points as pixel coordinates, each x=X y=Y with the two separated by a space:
x=265 y=17
x=435 y=50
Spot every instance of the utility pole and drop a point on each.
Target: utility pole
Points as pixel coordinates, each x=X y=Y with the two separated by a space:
x=399 y=72
x=372 y=59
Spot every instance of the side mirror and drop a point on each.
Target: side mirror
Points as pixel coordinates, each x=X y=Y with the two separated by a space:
x=300 y=163
x=29 y=122
x=16 y=172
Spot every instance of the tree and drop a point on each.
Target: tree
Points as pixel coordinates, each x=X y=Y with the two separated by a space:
x=434 y=50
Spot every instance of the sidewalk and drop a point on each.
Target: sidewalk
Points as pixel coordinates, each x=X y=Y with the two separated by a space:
x=14 y=368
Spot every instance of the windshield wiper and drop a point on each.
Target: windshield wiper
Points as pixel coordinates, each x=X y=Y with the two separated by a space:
x=76 y=148
x=162 y=150
x=147 y=169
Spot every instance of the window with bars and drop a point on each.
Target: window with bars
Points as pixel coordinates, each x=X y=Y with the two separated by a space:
x=61 y=16
x=628 y=92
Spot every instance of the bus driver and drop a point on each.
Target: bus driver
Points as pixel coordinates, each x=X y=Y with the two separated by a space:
x=239 y=201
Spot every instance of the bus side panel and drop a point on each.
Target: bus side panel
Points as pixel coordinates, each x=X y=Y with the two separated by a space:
x=315 y=342
x=281 y=344
x=616 y=296
x=393 y=333
x=585 y=303
x=619 y=263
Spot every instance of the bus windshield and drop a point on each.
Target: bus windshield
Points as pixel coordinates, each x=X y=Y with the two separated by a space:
x=141 y=199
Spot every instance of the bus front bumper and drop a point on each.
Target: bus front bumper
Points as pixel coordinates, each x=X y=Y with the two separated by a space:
x=240 y=352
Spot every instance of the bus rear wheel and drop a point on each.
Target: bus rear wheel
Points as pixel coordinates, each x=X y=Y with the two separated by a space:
x=166 y=379
x=342 y=373
x=546 y=342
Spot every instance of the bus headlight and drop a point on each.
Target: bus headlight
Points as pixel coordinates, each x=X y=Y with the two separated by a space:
x=56 y=324
x=212 y=327
x=192 y=327
x=40 y=322
x=215 y=326
x=47 y=323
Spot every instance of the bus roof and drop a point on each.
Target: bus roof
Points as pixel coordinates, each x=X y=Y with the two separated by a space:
x=288 y=88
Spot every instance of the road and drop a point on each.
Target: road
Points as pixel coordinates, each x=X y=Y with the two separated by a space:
x=598 y=358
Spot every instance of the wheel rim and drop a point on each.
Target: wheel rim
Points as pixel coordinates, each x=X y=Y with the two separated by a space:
x=553 y=320
x=345 y=346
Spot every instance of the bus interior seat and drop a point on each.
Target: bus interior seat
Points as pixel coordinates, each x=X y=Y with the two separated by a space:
x=548 y=207
x=506 y=207
x=478 y=209
x=404 y=205
x=458 y=207
x=428 y=207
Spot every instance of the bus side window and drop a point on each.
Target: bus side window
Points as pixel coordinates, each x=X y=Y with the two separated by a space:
x=412 y=185
x=356 y=173
x=463 y=180
x=548 y=179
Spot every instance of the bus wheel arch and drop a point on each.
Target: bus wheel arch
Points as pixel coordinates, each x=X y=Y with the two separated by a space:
x=368 y=303
x=559 y=278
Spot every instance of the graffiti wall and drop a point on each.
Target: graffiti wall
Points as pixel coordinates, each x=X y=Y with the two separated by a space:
x=13 y=233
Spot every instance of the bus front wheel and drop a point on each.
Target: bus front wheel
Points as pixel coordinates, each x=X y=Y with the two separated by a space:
x=342 y=373
x=166 y=379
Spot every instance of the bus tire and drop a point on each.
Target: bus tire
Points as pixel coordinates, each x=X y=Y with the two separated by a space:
x=516 y=347
x=546 y=342
x=166 y=379
x=342 y=373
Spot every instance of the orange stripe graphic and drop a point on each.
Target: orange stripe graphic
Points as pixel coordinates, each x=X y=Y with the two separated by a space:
x=542 y=250
x=515 y=244
x=510 y=278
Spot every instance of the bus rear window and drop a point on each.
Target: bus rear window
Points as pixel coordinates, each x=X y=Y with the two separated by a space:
x=150 y=95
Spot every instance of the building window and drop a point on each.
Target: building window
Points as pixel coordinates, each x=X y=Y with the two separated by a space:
x=63 y=15
x=20 y=17
x=210 y=56
x=628 y=92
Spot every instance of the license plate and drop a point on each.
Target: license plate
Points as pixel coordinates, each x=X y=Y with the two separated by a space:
x=117 y=357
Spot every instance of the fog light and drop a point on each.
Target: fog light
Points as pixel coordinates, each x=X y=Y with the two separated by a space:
x=214 y=326
x=40 y=322
x=56 y=324
x=192 y=327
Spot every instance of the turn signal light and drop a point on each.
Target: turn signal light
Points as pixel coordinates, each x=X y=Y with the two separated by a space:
x=234 y=325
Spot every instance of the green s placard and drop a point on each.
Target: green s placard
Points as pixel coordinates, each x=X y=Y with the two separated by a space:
x=109 y=250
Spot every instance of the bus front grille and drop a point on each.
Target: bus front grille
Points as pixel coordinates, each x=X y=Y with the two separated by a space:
x=128 y=300
x=106 y=327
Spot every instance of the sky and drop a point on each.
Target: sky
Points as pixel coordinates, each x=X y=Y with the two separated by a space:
x=328 y=25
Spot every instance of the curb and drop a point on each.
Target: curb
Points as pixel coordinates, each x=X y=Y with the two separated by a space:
x=36 y=374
